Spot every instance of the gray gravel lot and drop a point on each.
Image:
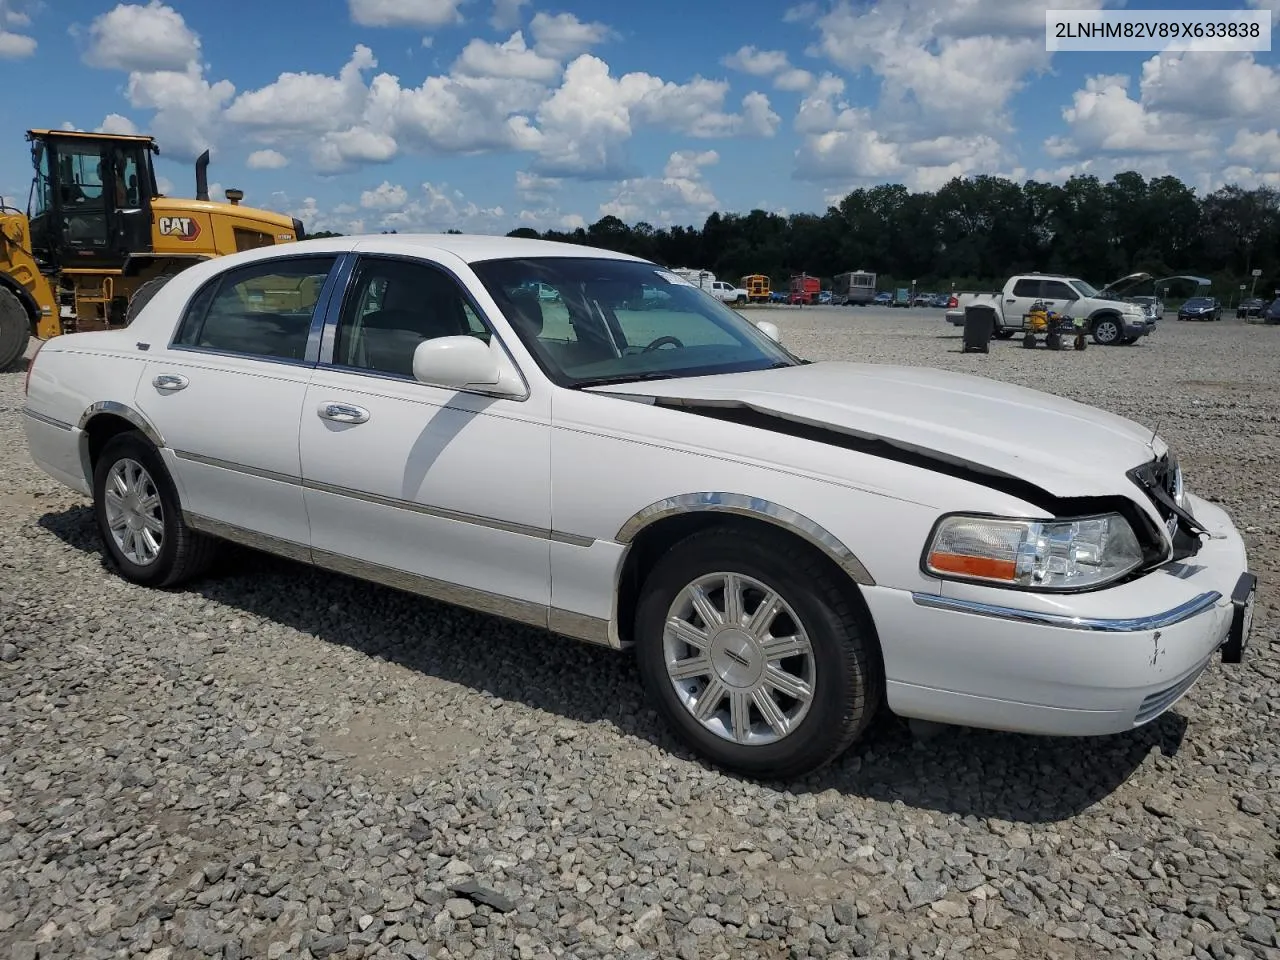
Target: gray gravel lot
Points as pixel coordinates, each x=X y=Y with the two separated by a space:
x=275 y=762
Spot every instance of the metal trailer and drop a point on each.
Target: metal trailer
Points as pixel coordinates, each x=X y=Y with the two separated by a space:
x=856 y=287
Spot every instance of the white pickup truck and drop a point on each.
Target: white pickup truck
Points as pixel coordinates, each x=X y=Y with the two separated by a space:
x=1111 y=319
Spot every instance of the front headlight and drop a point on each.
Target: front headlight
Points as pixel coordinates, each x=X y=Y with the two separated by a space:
x=1034 y=554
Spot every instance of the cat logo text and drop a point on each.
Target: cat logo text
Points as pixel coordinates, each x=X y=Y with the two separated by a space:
x=180 y=228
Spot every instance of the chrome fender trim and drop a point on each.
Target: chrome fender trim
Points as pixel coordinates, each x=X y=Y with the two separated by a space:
x=744 y=506
x=1155 y=621
x=127 y=413
x=117 y=409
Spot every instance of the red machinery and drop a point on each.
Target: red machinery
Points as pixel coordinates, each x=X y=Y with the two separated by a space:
x=804 y=289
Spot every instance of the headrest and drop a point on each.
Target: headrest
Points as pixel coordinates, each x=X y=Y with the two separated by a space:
x=527 y=312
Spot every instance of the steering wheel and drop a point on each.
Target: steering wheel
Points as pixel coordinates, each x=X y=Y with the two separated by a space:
x=662 y=342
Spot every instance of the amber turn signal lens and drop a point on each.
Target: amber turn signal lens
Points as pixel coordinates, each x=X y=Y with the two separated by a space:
x=988 y=568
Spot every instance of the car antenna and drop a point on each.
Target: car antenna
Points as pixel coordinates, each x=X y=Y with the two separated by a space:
x=1154 y=433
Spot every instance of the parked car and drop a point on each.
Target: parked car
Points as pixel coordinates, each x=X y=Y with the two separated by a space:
x=779 y=296
x=901 y=298
x=884 y=298
x=786 y=546
x=922 y=300
x=1153 y=305
x=1111 y=320
x=1200 y=308
x=1272 y=313
x=1253 y=307
x=824 y=296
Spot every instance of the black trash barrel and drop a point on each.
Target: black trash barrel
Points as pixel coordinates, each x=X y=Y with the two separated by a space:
x=979 y=325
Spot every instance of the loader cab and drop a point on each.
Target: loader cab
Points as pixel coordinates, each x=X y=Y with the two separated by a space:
x=90 y=204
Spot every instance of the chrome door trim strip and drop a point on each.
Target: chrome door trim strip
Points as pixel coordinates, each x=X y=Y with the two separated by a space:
x=237 y=467
x=289 y=549
x=521 y=611
x=745 y=506
x=51 y=421
x=443 y=513
x=554 y=619
x=1156 y=621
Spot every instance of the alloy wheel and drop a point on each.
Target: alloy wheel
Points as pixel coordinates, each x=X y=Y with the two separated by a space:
x=135 y=515
x=739 y=659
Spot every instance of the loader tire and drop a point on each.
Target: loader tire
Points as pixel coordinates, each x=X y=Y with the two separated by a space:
x=15 y=329
x=142 y=296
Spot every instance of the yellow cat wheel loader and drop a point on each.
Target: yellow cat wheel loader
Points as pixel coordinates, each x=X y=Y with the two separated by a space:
x=98 y=239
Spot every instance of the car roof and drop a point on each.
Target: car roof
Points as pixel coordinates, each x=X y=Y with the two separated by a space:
x=470 y=248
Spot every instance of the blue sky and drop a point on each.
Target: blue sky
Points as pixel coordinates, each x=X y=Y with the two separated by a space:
x=484 y=115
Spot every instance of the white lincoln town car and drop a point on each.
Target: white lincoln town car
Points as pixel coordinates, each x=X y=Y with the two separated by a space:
x=582 y=441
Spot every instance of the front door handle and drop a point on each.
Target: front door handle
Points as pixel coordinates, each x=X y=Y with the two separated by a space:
x=170 y=382
x=342 y=413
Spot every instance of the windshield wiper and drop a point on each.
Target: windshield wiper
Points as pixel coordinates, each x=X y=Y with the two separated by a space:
x=622 y=378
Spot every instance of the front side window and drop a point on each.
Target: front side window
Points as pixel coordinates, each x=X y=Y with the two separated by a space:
x=1057 y=290
x=614 y=321
x=394 y=305
x=260 y=310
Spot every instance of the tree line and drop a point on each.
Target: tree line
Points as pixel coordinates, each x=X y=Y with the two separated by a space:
x=974 y=232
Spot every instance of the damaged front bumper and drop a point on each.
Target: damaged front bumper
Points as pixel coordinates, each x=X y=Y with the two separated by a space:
x=1082 y=664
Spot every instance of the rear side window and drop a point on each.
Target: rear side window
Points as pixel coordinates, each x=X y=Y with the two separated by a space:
x=1027 y=287
x=260 y=310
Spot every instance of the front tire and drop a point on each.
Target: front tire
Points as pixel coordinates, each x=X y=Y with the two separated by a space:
x=140 y=517
x=1106 y=332
x=755 y=653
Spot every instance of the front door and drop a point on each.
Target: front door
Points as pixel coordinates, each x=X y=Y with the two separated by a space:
x=443 y=492
x=227 y=395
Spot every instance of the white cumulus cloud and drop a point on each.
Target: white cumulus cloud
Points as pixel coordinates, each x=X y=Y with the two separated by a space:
x=266 y=160
x=133 y=37
x=405 y=13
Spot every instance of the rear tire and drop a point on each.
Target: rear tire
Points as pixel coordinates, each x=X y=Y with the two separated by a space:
x=824 y=652
x=143 y=295
x=140 y=517
x=15 y=329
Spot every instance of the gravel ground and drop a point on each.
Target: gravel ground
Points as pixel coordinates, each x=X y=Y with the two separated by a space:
x=275 y=762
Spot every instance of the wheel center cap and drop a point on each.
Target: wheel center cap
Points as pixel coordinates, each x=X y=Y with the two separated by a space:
x=736 y=658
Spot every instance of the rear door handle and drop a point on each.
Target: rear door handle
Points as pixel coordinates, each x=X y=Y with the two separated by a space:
x=170 y=382
x=342 y=413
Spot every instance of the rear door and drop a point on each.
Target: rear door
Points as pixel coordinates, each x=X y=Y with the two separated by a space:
x=226 y=395
x=1017 y=302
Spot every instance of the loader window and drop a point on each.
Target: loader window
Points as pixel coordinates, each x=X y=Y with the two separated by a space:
x=260 y=310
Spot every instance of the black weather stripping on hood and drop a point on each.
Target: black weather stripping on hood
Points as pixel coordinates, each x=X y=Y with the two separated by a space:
x=732 y=411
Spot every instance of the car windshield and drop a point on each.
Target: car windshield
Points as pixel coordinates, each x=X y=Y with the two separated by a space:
x=1086 y=289
x=1199 y=302
x=595 y=321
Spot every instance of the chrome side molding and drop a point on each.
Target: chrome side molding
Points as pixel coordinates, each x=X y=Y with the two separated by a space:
x=564 y=622
x=1156 y=621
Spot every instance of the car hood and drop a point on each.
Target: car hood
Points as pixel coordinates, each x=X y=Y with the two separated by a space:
x=1061 y=446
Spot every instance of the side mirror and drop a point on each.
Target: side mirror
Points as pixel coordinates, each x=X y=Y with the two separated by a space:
x=460 y=363
x=770 y=330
